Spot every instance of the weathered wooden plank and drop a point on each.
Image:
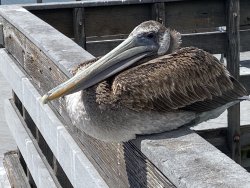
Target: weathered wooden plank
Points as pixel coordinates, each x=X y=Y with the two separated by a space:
x=61 y=176
x=244 y=13
x=158 y=12
x=79 y=26
x=30 y=179
x=1 y=35
x=233 y=59
x=213 y=42
x=244 y=40
x=32 y=158
x=33 y=29
x=107 y=20
x=104 y=156
x=193 y=16
x=217 y=137
x=42 y=148
x=192 y=160
x=15 y=171
x=61 y=19
x=75 y=164
x=92 y=3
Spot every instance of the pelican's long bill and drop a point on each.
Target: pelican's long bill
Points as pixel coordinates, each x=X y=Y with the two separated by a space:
x=124 y=55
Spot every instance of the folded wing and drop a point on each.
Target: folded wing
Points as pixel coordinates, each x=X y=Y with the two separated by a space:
x=189 y=79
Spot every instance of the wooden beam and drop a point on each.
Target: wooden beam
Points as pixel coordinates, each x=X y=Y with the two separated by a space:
x=233 y=59
x=15 y=171
x=218 y=137
x=158 y=12
x=106 y=20
x=99 y=46
x=192 y=160
x=61 y=19
x=79 y=27
x=1 y=36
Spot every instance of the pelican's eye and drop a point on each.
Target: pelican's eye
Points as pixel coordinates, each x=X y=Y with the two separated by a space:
x=150 y=35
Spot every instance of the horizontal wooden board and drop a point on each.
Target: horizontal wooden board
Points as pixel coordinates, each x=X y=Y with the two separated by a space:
x=111 y=20
x=218 y=136
x=192 y=15
x=213 y=42
x=101 y=19
x=244 y=13
x=92 y=3
x=61 y=19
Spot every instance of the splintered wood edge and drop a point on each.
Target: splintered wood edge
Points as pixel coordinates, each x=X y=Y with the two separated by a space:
x=76 y=165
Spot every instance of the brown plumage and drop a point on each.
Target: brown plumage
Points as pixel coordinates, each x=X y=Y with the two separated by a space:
x=188 y=79
x=147 y=85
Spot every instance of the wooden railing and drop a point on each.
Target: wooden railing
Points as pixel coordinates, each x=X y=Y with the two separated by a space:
x=47 y=56
x=100 y=26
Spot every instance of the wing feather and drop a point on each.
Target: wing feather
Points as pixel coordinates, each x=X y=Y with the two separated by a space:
x=189 y=79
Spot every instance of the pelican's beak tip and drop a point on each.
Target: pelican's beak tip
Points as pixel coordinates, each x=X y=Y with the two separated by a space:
x=44 y=99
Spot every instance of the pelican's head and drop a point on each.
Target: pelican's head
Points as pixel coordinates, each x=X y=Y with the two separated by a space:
x=162 y=39
x=147 y=39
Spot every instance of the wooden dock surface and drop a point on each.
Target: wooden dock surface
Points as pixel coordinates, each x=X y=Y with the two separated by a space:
x=7 y=142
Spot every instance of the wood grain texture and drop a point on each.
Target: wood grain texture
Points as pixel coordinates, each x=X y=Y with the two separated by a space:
x=61 y=19
x=32 y=157
x=15 y=172
x=191 y=164
x=158 y=12
x=1 y=36
x=79 y=26
x=40 y=144
x=233 y=59
x=193 y=16
x=111 y=20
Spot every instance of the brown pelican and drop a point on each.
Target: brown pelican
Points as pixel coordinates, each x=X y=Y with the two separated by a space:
x=138 y=89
